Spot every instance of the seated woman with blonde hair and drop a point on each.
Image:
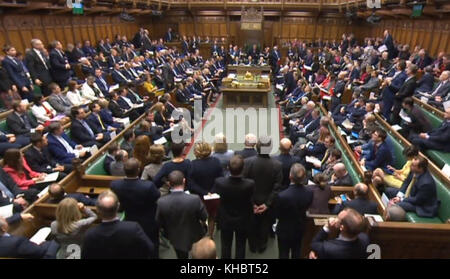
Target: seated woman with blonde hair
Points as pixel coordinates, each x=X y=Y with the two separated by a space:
x=398 y=176
x=70 y=226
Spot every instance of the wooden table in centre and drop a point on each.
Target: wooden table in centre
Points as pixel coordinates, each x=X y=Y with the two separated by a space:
x=245 y=90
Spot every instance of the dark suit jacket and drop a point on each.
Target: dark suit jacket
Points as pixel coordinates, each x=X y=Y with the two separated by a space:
x=116 y=109
x=95 y=124
x=407 y=89
x=58 y=66
x=443 y=90
x=16 y=125
x=425 y=84
x=423 y=194
x=16 y=72
x=380 y=159
x=36 y=68
x=138 y=199
x=287 y=161
x=290 y=209
x=40 y=161
x=21 y=247
x=363 y=206
x=117 y=240
x=268 y=176
x=439 y=137
x=246 y=152
x=340 y=249
x=179 y=215
x=80 y=134
x=58 y=151
x=236 y=206
x=419 y=122
x=203 y=174
x=9 y=183
x=346 y=180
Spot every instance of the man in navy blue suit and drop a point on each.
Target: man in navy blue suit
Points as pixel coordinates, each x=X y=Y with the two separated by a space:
x=290 y=209
x=350 y=244
x=418 y=192
x=101 y=82
x=437 y=139
x=380 y=155
x=95 y=121
x=115 y=239
x=17 y=73
x=59 y=64
x=138 y=199
x=393 y=85
x=82 y=133
x=63 y=149
x=21 y=247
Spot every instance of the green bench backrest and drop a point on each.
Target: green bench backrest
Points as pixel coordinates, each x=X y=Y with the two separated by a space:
x=4 y=126
x=97 y=167
x=443 y=194
x=435 y=120
x=400 y=159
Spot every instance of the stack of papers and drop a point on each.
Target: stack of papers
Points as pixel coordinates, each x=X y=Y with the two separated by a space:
x=51 y=177
x=376 y=217
x=41 y=235
x=213 y=196
x=161 y=141
x=396 y=127
x=313 y=160
x=347 y=124
x=280 y=87
x=232 y=76
x=114 y=87
x=6 y=211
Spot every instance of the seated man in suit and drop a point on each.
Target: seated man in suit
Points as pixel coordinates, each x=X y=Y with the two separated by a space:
x=110 y=157
x=437 y=139
x=96 y=122
x=418 y=193
x=20 y=123
x=307 y=126
x=352 y=241
x=101 y=82
x=21 y=247
x=138 y=199
x=181 y=215
x=107 y=117
x=82 y=133
x=58 y=101
x=380 y=156
x=57 y=193
x=290 y=209
x=119 y=76
x=128 y=101
x=63 y=149
x=341 y=177
x=119 y=111
x=8 y=141
x=360 y=203
x=115 y=239
x=39 y=159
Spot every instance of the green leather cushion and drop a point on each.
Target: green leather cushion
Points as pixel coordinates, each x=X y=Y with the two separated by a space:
x=439 y=157
x=4 y=126
x=435 y=120
x=97 y=167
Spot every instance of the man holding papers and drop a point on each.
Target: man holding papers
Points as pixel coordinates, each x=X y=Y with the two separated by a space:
x=437 y=139
x=63 y=149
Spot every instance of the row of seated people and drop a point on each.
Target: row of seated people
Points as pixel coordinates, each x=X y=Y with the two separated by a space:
x=255 y=186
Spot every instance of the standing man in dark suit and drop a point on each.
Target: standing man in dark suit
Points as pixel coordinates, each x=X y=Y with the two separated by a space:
x=20 y=123
x=290 y=209
x=286 y=160
x=235 y=209
x=360 y=203
x=21 y=247
x=59 y=64
x=268 y=177
x=38 y=66
x=275 y=58
x=418 y=192
x=389 y=43
x=352 y=242
x=169 y=35
x=437 y=139
x=181 y=215
x=249 y=147
x=115 y=239
x=138 y=200
x=407 y=90
x=185 y=46
x=16 y=71
x=392 y=86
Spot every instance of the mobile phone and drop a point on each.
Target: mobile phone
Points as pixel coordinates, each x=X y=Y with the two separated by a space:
x=343 y=197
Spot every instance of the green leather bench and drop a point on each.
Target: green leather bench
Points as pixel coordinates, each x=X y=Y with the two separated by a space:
x=443 y=192
x=97 y=167
x=4 y=126
x=438 y=157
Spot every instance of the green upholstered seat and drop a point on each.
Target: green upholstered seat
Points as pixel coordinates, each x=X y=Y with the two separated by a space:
x=435 y=120
x=4 y=126
x=97 y=167
x=440 y=158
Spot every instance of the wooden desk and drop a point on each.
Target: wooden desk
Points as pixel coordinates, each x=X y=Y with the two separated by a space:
x=239 y=90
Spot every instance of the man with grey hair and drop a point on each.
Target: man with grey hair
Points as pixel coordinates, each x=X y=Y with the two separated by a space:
x=39 y=66
x=249 y=147
x=395 y=213
x=268 y=177
x=290 y=209
x=115 y=239
x=21 y=247
x=90 y=90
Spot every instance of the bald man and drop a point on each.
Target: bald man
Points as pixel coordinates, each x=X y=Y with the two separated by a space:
x=286 y=160
x=20 y=247
x=341 y=177
x=360 y=203
x=203 y=249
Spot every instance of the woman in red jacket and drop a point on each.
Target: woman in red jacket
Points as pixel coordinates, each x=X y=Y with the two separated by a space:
x=17 y=167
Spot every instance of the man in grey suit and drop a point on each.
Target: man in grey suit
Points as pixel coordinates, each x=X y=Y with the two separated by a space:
x=181 y=216
x=58 y=101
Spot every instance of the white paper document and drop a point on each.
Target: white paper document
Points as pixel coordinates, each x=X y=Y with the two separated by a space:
x=280 y=87
x=313 y=160
x=396 y=127
x=382 y=48
x=446 y=170
x=41 y=235
x=446 y=105
x=385 y=200
x=376 y=217
x=347 y=124
x=161 y=140
x=213 y=196
x=350 y=140
x=51 y=177
x=93 y=150
x=6 y=211
x=404 y=116
x=43 y=192
x=114 y=87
